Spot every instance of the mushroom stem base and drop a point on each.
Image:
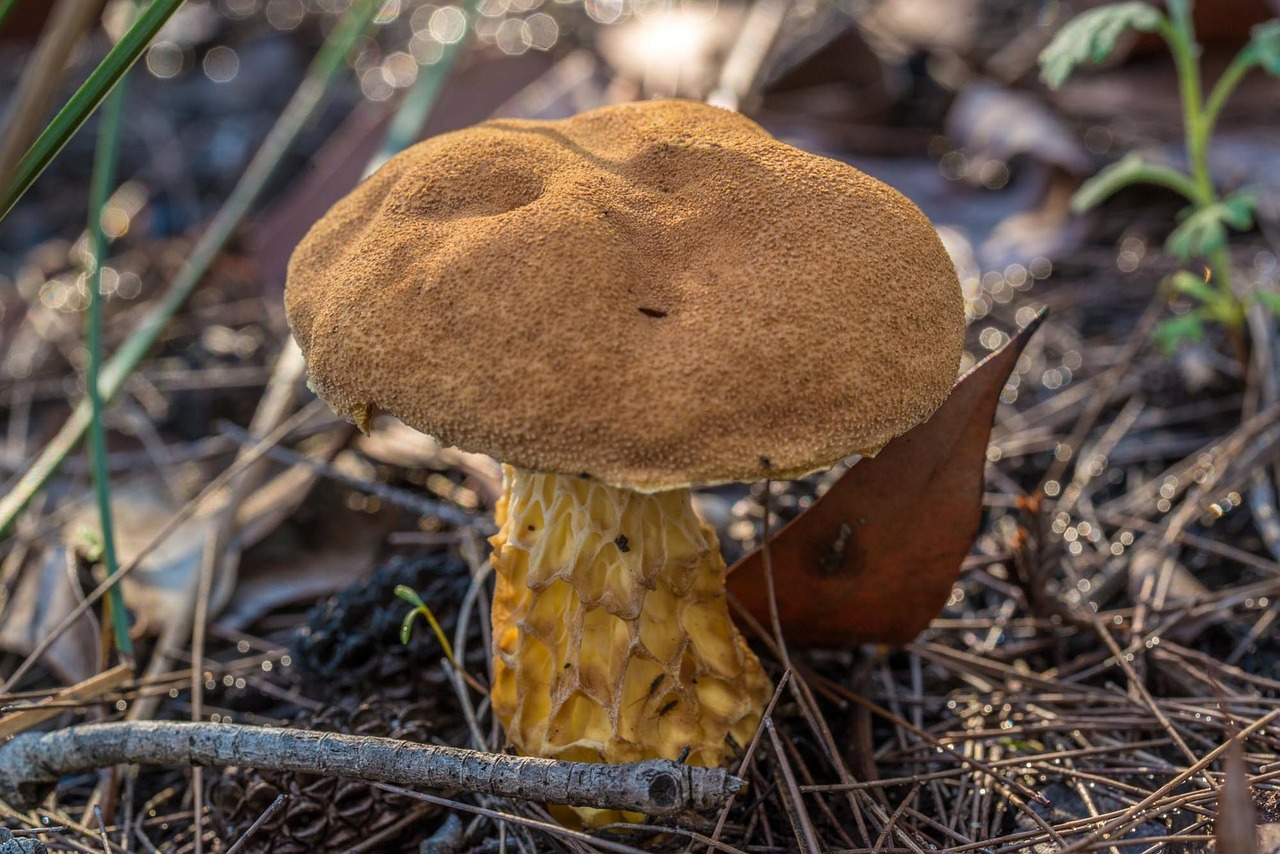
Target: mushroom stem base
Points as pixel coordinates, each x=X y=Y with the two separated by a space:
x=612 y=636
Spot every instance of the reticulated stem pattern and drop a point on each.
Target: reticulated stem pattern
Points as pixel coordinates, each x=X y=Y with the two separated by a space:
x=612 y=636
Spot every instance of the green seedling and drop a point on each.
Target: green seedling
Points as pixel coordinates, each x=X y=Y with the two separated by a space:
x=87 y=543
x=409 y=595
x=1202 y=230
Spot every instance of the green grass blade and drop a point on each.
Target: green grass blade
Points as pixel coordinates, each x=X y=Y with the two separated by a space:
x=86 y=99
x=115 y=371
x=104 y=176
x=6 y=6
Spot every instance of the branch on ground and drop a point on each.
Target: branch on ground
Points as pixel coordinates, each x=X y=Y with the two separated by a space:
x=31 y=762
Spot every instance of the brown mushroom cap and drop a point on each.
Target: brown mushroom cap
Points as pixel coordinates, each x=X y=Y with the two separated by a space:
x=654 y=294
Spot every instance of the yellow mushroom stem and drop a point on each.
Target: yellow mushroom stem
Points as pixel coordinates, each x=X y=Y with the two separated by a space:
x=611 y=632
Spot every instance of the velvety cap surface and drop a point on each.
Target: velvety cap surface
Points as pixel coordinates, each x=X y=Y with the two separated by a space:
x=653 y=294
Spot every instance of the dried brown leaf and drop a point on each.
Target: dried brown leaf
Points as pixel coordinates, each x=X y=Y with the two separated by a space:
x=45 y=593
x=874 y=559
x=327 y=557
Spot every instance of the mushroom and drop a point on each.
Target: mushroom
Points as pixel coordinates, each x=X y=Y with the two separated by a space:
x=618 y=306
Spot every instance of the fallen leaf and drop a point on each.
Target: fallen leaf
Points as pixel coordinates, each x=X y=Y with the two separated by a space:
x=158 y=591
x=874 y=559
x=46 y=592
x=1006 y=132
x=155 y=592
x=831 y=73
x=324 y=548
x=993 y=123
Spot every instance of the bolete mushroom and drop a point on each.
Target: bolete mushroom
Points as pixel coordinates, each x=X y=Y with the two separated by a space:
x=618 y=306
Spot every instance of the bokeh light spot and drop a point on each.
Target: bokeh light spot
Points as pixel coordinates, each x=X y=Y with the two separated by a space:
x=542 y=31
x=374 y=85
x=164 y=59
x=221 y=64
x=605 y=11
x=387 y=12
x=285 y=14
x=425 y=49
x=511 y=37
x=448 y=24
x=400 y=70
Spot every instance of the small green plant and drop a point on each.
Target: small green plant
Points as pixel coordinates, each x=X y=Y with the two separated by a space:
x=409 y=595
x=1202 y=228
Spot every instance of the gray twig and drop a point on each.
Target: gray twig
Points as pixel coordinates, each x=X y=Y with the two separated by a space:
x=32 y=761
x=272 y=809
